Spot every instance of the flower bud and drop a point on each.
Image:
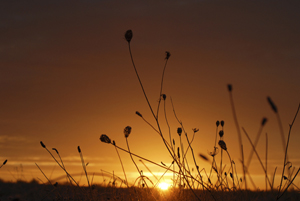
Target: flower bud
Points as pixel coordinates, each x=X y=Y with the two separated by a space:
x=128 y=35
x=179 y=131
x=222 y=123
x=221 y=133
x=42 y=144
x=229 y=86
x=222 y=144
x=55 y=150
x=203 y=157
x=273 y=106
x=168 y=55
x=263 y=122
x=127 y=131
x=104 y=138
x=139 y=114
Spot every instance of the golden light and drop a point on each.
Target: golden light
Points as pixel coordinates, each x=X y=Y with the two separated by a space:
x=163 y=186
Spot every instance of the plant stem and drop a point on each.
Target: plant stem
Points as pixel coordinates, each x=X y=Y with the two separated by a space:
x=266 y=160
x=257 y=156
x=134 y=161
x=161 y=87
x=239 y=136
x=255 y=143
x=122 y=166
x=140 y=80
x=289 y=184
x=286 y=149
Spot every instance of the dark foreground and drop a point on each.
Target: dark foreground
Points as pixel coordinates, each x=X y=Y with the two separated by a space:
x=32 y=191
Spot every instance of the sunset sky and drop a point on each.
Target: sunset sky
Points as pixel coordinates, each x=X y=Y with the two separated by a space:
x=66 y=78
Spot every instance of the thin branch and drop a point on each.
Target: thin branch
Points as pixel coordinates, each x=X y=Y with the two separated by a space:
x=238 y=131
x=257 y=155
x=289 y=184
x=286 y=149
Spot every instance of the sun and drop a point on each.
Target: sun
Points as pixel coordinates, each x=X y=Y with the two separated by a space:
x=163 y=186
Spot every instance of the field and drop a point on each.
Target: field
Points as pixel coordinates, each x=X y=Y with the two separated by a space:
x=34 y=191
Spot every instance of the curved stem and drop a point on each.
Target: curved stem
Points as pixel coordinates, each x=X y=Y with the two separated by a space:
x=140 y=80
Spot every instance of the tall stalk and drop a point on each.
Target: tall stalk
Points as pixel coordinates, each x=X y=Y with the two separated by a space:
x=238 y=131
x=128 y=37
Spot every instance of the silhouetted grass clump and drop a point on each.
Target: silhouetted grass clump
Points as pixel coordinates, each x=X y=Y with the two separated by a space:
x=189 y=182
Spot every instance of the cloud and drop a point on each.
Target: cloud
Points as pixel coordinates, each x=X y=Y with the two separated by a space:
x=9 y=139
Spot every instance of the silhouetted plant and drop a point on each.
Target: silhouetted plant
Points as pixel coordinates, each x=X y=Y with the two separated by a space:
x=3 y=163
x=185 y=176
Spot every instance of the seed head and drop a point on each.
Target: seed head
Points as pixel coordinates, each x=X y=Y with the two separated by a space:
x=104 y=138
x=173 y=142
x=217 y=123
x=127 y=131
x=203 y=157
x=79 y=150
x=139 y=114
x=164 y=96
x=264 y=121
x=195 y=130
x=273 y=106
x=167 y=55
x=221 y=133
x=229 y=86
x=5 y=162
x=42 y=144
x=178 y=152
x=179 y=131
x=128 y=35
x=222 y=144
x=55 y=150
x=222 y=123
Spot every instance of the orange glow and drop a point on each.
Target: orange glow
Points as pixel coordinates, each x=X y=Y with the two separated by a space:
x=163 y=186
x=66 y=78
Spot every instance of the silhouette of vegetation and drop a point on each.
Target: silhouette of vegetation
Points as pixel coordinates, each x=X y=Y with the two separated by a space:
x=189 y=182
